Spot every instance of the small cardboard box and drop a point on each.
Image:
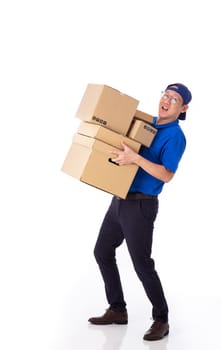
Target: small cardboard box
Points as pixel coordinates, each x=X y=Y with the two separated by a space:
x=89 y=161
x=142 y=132
x=107 y=107
x=144 y=116
x=108 y=136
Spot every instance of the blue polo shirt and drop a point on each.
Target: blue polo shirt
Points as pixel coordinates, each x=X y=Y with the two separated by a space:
x=166 y=149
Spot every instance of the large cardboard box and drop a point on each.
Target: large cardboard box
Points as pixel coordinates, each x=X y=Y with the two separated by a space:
x=107 y=107
x=142 y=132
x=108 y=136
x=89 y=161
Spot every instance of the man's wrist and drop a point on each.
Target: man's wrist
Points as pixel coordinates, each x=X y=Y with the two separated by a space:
x=138 y=159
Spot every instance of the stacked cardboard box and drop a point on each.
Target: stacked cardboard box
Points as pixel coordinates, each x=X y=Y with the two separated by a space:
x=108 y=107
x=108 y=117
x=141 y=129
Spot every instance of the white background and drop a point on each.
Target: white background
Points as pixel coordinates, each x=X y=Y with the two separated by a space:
x=50 y=51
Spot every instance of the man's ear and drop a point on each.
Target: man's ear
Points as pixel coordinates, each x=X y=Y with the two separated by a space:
x=184 y=109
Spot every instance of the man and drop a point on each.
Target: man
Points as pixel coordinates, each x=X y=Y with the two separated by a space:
x=133 y=218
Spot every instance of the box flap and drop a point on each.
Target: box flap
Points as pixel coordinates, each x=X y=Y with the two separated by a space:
x=93 y=143
x=108 y=136
x=144 y=116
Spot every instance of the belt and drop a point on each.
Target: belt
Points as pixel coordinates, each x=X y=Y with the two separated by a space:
x=138 y=195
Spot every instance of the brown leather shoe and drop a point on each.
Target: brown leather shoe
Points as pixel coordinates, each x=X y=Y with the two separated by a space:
x=110 y=317
x=157 y=331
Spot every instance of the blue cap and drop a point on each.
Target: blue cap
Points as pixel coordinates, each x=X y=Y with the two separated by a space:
x=184 y=92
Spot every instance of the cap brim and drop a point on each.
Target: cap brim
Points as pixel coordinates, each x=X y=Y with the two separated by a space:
x=182 y=116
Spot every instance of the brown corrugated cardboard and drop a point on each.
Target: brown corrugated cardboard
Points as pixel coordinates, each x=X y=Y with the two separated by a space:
x=107 y=136
x=89 y=161
x=144 y=116
x=107 y=107
x=142 y=132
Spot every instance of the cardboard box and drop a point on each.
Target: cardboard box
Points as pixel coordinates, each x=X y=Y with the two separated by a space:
x=107 y=107
x=144 y=116
x=108 y=136
x=142 y=132
x=89 y=161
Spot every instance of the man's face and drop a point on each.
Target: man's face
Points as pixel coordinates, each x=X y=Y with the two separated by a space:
x=170 y=106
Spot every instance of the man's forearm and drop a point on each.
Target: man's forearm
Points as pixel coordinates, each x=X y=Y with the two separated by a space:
x=156 y=170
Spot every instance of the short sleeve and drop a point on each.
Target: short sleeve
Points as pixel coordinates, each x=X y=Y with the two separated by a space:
x=173 y=150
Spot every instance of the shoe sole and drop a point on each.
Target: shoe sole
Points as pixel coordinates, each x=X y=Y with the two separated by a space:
x=108 y=323
x=120 y=322
x=153 y=339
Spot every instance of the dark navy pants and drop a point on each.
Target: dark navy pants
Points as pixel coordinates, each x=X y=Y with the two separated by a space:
x=132 y=220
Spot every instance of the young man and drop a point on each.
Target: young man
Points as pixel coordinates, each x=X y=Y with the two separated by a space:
x=133 y=218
